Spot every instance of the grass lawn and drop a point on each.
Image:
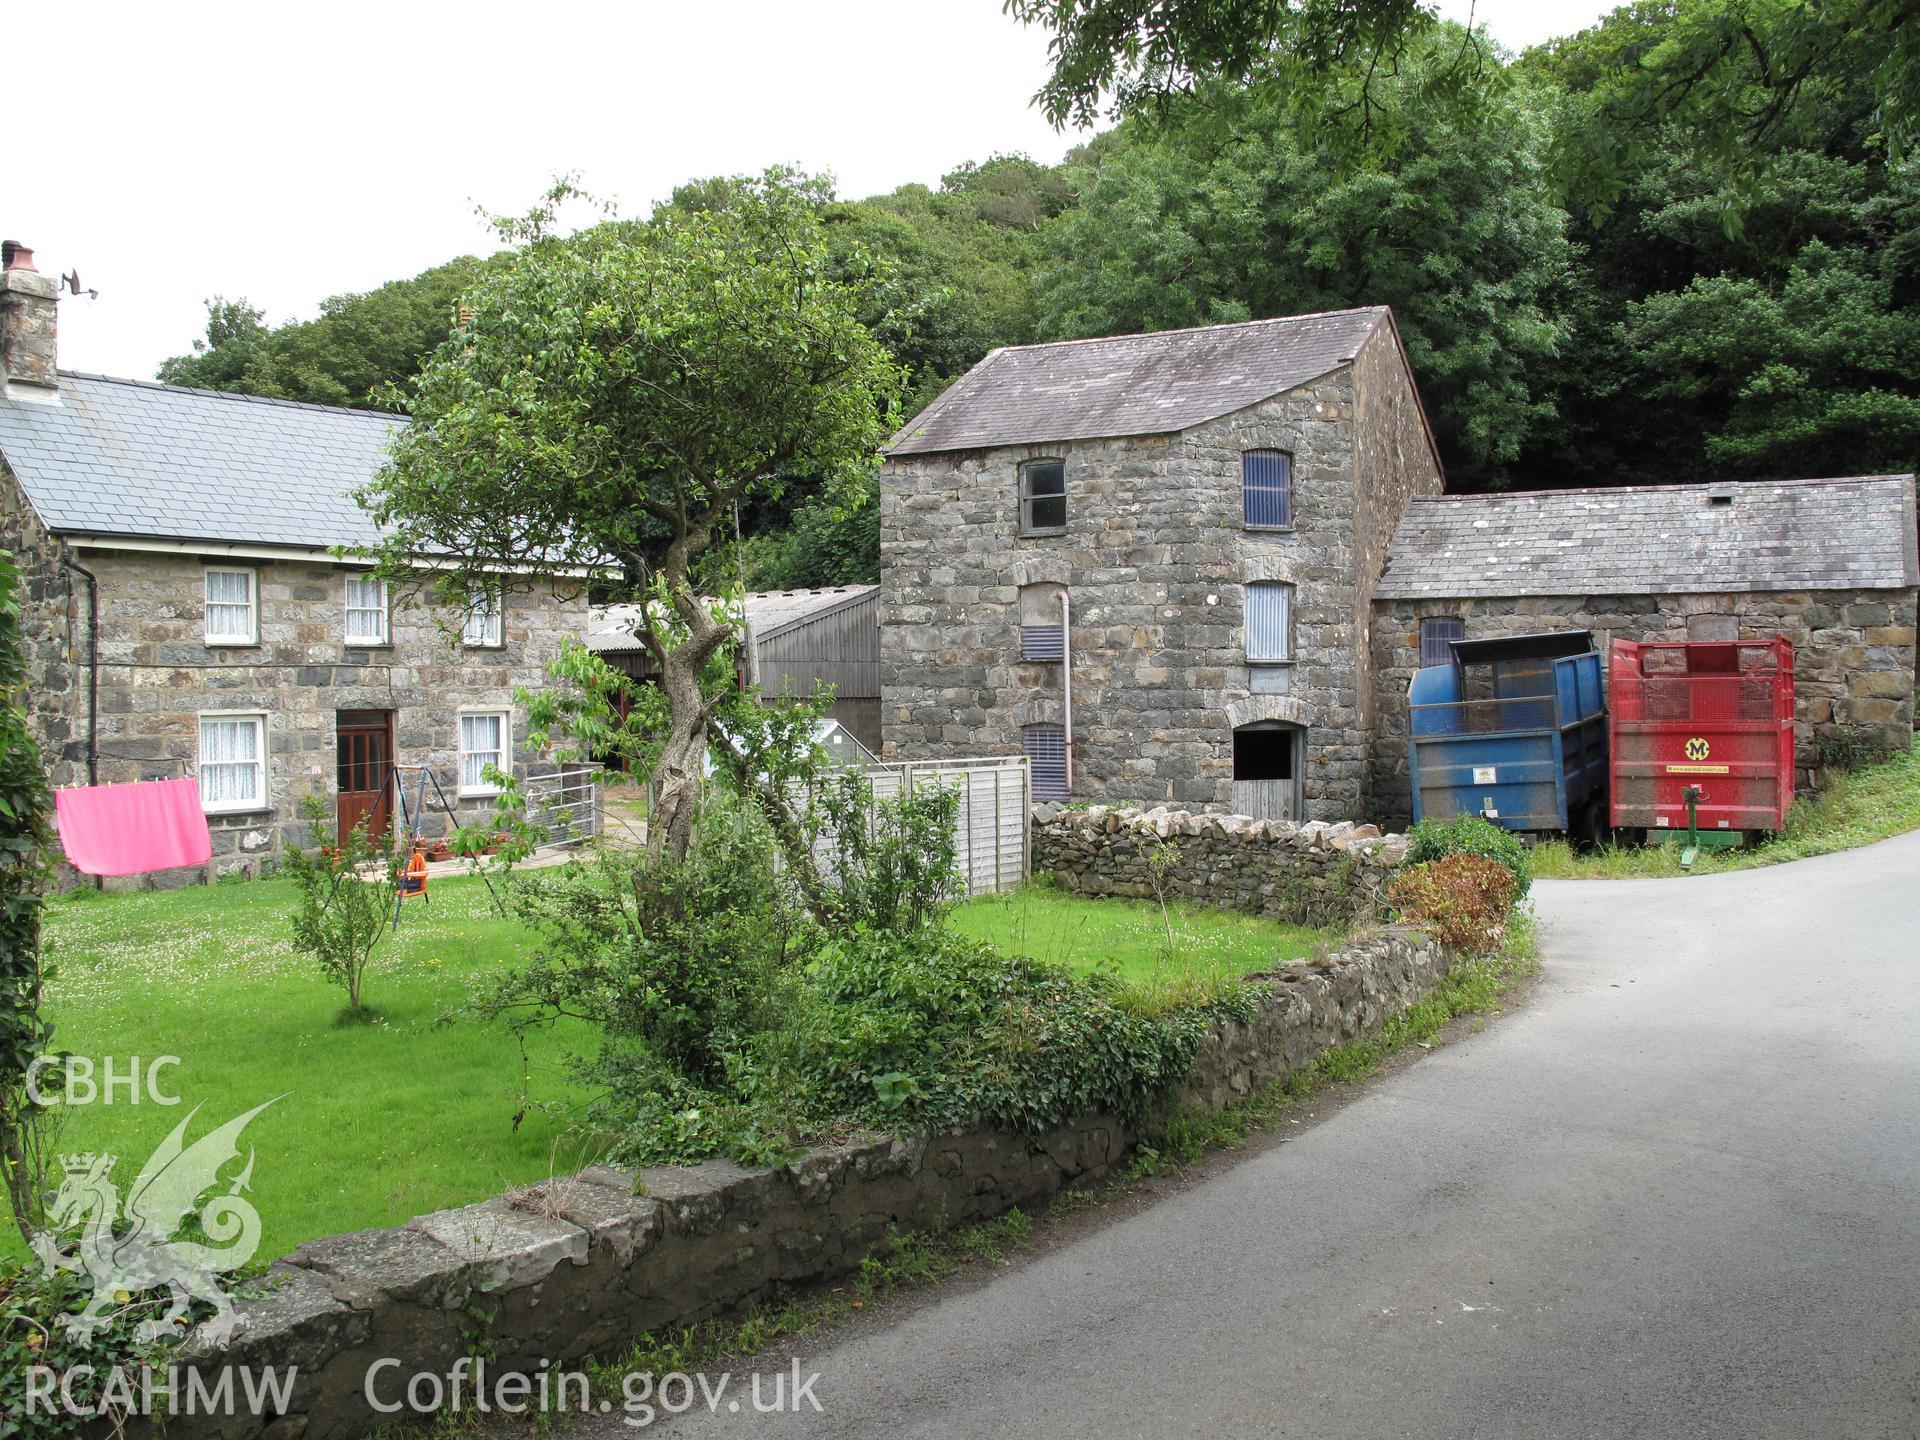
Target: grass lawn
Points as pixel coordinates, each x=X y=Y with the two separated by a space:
x=1131 y=937
x=379 y=1122
x=1858 y=808
x=385 y=1121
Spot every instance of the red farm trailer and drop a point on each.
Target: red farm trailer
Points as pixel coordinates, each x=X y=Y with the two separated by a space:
x=1705 y=724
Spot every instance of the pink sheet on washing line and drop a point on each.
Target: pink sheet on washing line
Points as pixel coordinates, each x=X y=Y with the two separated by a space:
x=131 y=829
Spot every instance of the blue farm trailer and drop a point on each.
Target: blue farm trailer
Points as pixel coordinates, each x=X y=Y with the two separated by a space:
x=1514 y=730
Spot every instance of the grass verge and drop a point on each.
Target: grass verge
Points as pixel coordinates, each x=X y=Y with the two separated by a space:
x=1858 y=808
x=1155 y=953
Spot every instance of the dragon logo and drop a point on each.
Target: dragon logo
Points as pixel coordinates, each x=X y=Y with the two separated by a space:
x=130 y=1249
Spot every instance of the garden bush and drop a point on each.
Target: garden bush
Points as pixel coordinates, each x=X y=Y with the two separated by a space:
x=1462 y=900
x=33 y=1303
x=1470 y=835
x=731 y=1021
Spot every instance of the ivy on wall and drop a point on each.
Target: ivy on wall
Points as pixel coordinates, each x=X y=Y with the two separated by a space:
x=26 y=833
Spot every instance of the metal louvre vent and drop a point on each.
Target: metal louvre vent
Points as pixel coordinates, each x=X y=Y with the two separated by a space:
x=1046 y=747
x=1269 y=621
x=1042 y=642
x=1436 y=633
x=1266 y=489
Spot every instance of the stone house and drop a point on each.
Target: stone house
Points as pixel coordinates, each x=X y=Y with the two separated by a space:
x=185 y=616
x=1830 y=564
x=1148 y=561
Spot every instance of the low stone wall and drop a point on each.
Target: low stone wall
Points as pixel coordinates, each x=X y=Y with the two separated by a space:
x=1316 y=873
x=543 y=1277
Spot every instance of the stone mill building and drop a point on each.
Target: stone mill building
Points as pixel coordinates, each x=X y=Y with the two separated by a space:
x=1148 y=561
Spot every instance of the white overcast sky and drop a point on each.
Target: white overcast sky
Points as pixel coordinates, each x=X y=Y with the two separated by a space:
x=286 y=153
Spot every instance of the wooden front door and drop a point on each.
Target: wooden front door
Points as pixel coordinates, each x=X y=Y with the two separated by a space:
x=364 y=766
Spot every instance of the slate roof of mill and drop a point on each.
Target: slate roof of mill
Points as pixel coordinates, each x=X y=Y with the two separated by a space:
x=1842 y=534
x=1133 y=384
x=135 y=459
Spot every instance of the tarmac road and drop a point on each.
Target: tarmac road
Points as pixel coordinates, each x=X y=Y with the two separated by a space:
x=1678 y=1194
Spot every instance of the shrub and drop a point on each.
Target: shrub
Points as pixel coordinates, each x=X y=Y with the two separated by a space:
x=730 y=1022
x=32 y=1305
x=1470 y=835
x=26 y=838
x=346 y=902
x=673 y=961
x=1462 y=900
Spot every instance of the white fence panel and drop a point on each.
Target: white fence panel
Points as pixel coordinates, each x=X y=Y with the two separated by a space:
x=991 y=829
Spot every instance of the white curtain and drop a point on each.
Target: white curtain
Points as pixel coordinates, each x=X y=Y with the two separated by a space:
x=230 y=603
x=366 y=609
x=480 y=746
x=230 y=761
x=483 y=622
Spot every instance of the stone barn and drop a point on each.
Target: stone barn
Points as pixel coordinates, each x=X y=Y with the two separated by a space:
x=1830 y=564
x=1148 y=562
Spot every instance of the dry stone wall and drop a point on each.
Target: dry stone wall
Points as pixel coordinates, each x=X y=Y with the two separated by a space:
x=546 y=1276
x=1317 y=873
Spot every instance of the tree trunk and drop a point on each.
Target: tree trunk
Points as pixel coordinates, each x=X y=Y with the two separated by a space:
x=680 y=773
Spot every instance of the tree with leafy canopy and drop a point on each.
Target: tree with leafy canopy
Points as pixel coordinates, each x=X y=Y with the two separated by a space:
x=353 y=353
x=1764 y=323
x=1142 y=53
x=614 y=395
x=1232 y=210
x=1730 y=82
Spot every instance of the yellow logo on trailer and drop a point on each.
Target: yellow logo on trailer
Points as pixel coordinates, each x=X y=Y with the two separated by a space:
x=1698 y=749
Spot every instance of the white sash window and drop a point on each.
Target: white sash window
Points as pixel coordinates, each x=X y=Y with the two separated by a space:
x=233 y=763
x=233 y=609
x=483 y=742
x=366 y=610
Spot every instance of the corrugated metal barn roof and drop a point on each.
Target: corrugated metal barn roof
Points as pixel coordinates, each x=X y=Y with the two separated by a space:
x=613 y=629
x=1843 y=534
x=1133 y=384
x=135 y=459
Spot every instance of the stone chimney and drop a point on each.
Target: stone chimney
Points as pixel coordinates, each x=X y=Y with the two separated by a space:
x=28 y=352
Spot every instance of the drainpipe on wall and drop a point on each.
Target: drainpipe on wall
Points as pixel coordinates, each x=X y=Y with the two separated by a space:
x=1066 y=686
x=93 y=665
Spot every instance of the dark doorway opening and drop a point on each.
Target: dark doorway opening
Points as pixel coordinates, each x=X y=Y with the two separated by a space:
x=1264 y=752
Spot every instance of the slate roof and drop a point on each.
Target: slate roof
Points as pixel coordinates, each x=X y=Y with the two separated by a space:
x=612 y=630
x=1843 y=534
x=1133 y=384
x=136 y=459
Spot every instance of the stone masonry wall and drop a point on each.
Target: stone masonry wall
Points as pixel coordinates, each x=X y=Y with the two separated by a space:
x=158 y=675
x=54 y=628
x=1154 y=559
x=1853 y=659
x=576 y=1266
x=1396 y=462
x=1311 y=874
